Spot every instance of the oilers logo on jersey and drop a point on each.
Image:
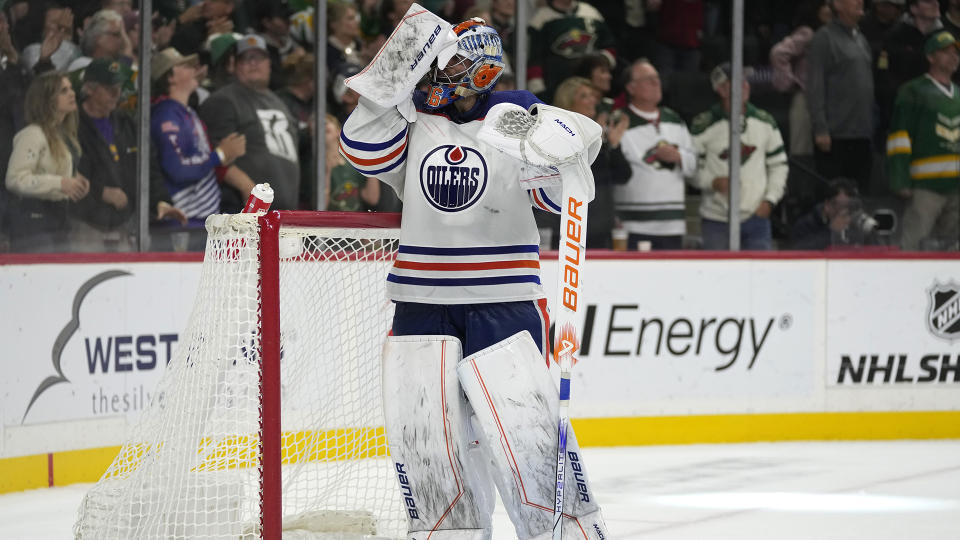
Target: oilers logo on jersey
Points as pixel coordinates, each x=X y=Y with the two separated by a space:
x=453 y=178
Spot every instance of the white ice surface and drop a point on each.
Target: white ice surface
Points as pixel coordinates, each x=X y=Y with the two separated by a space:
x=905 y=490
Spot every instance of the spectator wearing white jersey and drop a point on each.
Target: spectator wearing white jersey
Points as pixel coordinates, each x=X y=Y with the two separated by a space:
x=763 y=168
x=660 y=151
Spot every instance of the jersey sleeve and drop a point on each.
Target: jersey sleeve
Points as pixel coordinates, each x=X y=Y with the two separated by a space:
x=688 y=153
x=778 y=167
x=543 y=187
x=546 y=199
x=536 y=54
x=899 y=141
x=374 y=142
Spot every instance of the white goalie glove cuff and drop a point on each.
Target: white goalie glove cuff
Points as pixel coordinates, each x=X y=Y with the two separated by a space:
x=390 y=78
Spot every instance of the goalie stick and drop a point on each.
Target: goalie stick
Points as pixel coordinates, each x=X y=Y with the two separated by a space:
x=573 y=245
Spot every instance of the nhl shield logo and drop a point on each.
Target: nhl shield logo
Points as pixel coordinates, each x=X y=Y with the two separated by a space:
x=943 y=318
x=453 y=178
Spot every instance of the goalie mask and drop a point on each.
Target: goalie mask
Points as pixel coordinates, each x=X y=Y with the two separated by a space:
x=474 y=69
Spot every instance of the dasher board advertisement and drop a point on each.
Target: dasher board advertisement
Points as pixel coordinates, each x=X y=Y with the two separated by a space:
x=88 y=341
x=893 y=324
x=696 y=336
x=659 y=337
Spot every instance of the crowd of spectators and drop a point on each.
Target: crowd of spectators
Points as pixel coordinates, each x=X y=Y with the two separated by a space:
x=850 y=106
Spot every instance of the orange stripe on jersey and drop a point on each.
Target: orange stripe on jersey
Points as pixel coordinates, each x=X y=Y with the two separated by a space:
x=459 y=267
x=536 y=199
x=376 y=161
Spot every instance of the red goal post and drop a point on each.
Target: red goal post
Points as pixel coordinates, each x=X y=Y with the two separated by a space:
x=270 y=417
x=270 y=226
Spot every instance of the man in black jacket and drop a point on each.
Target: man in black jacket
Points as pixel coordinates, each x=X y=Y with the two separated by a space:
x=108 y=139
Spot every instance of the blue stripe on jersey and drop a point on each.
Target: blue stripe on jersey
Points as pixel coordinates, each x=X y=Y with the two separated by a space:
x=522 y=98
x=550 y=203
x=371 y=147
x=493 y=250
x=462 y=282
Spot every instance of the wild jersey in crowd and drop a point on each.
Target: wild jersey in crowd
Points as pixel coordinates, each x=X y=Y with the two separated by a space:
x=463 y=202
x=763 y=167
x=924 y=136
x=652 y=201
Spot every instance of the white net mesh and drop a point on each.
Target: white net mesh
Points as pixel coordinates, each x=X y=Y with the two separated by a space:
x=190 y=467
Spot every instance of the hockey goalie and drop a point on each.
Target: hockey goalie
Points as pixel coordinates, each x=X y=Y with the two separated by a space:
x=469 y=400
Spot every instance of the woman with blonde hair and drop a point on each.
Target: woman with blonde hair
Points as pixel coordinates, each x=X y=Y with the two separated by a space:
x=42 y=173
x=577 y=94
x=611 y=168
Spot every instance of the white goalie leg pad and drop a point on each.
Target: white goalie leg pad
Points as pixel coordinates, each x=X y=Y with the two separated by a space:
x=516 y=404
x=445 y=489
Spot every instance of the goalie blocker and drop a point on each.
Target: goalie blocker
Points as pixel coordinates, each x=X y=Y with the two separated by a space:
x=453 y=425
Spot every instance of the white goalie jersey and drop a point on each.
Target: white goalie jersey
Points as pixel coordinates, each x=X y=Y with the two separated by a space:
x=468 y=234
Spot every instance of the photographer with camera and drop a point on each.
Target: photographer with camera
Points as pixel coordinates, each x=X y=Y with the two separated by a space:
x=922 y=150
x=837 y=221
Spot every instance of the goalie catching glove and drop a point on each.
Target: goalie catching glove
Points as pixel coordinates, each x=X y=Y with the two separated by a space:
x=546 y=137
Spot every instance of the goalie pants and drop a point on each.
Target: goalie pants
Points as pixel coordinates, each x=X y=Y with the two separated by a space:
x=477 y=326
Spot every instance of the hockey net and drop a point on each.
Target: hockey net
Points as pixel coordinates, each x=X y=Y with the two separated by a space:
x=269 y=414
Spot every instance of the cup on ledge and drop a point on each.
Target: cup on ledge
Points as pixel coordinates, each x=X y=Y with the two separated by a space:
x=619 y=239
x=644 y=245
x=180 y=241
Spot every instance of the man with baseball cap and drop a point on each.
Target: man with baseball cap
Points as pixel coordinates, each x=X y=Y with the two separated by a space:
x=923 y=149
x=249 y=107
x=108 y=140
x=763 y=168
